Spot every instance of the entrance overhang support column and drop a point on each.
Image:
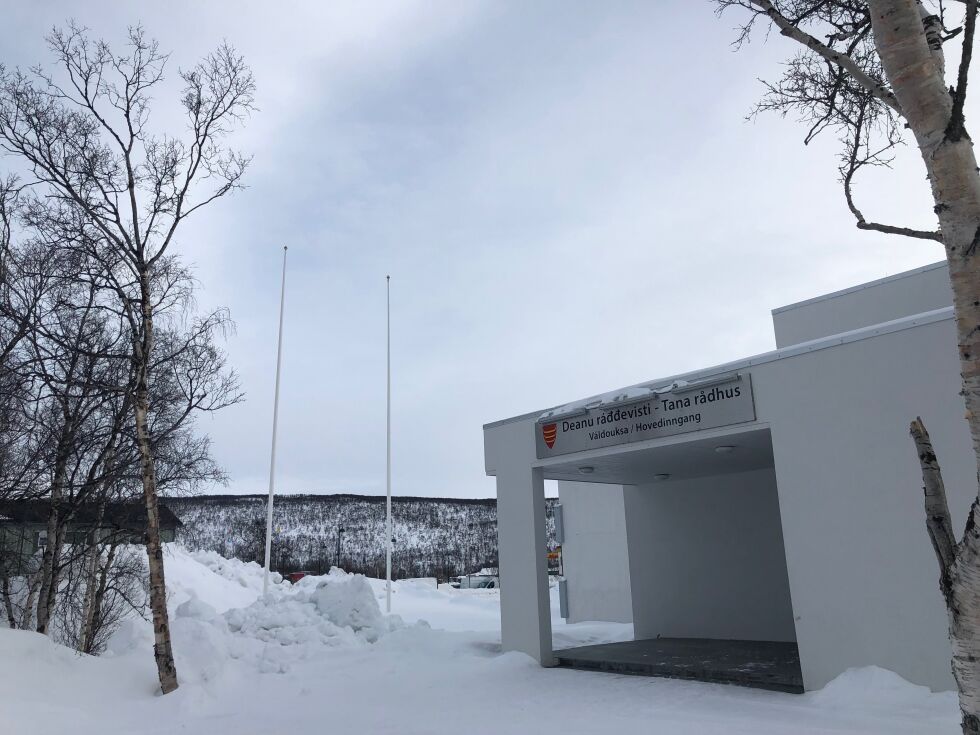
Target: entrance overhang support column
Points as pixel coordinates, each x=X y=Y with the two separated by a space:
x=525 y=609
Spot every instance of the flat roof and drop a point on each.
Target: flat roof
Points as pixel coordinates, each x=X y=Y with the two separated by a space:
x=860 y=287
x=856 y=335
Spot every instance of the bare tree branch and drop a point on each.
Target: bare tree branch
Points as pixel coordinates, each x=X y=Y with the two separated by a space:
x=853 y=162
x=791 y=29
x=956 y=130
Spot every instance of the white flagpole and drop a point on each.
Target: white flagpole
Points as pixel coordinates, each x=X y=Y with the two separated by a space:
x=388 y=464
x=275 y=421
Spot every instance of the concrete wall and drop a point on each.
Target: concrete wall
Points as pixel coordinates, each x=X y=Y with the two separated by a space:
x=913 y=292
x=594 y=554
x=862 y=572
x=706 y=559
x=525 y=606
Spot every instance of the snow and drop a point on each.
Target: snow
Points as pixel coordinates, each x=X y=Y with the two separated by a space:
x=349 y=602
x=623 y=395
x=222 y=583
x=320 y=655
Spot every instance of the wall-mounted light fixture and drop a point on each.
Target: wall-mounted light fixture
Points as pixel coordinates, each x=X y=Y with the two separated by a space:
x=586 y=470
x=725 y=449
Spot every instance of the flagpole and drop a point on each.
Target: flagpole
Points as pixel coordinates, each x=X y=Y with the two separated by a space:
x=275 y=422
x=388 y=463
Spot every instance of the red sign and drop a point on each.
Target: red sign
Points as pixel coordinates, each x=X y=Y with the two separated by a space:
x=550 y=433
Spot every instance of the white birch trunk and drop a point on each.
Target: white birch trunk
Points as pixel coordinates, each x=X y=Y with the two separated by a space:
x=162 y=648
x=101 y=587
x=49 y=595
x=915 y=70
x=27 y=612
x=51 y=559
x=91 y=580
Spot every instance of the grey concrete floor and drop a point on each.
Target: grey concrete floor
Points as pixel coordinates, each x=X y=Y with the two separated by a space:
x=760 y=664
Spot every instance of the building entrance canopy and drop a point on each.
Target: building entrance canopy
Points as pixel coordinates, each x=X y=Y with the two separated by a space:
x=685 y=457
x=669 y=528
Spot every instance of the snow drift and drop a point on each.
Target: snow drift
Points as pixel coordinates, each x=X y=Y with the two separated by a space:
x=322 y=651
x=273 y=632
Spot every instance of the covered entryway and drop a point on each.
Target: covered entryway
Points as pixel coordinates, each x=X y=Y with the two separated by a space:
x=707 y=584
x=703 y=551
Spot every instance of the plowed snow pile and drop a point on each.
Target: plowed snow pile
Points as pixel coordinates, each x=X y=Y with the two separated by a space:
x=221 y=583
x=321 y=655
x=276 y=631
x=266 y=634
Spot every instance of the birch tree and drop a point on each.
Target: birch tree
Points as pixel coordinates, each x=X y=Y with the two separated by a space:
x=66 y=349
x=82 y=130
x=870 y=70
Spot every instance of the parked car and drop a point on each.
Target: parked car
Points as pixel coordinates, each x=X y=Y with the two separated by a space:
x=478 y=581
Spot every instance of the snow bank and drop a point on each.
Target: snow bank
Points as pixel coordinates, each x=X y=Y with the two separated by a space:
x=872 y=687
x=322 y=648
x=223 y=627
x=349 y=602
x=221 y=583
x=246 y=573
x=280 y=629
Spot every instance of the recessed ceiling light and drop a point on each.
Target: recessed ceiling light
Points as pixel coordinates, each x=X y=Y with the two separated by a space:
x=661 y=476
x=725 y=449
x=586 y=470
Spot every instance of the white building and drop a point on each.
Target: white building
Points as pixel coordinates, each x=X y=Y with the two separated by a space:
x=774 y=499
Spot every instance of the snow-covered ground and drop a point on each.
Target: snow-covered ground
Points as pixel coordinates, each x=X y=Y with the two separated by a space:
x=319 y=656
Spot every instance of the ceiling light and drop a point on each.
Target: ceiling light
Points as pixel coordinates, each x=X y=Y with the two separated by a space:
x=661 y=476
x=586 y=470
x=725 y=449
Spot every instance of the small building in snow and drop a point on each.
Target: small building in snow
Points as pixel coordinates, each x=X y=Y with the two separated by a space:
x=759 y=522
x=24 y=527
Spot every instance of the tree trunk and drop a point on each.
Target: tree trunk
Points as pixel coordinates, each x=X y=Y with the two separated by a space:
x=91 y=578
x=959 y=580
x=8 y=604
x=162 y=648
x=50 y=560
x=27 y=612
x=919 y=84
x=964 y=622
x=49 y=594
x=915 y=72
x=96 y=622
x=45 y=571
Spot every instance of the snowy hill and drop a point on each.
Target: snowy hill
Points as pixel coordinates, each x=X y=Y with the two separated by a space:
x=434 y=537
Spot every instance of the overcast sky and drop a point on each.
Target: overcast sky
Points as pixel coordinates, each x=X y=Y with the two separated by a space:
x=567 y=196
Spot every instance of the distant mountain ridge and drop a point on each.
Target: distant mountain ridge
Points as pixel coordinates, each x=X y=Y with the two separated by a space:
x=433 y=537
